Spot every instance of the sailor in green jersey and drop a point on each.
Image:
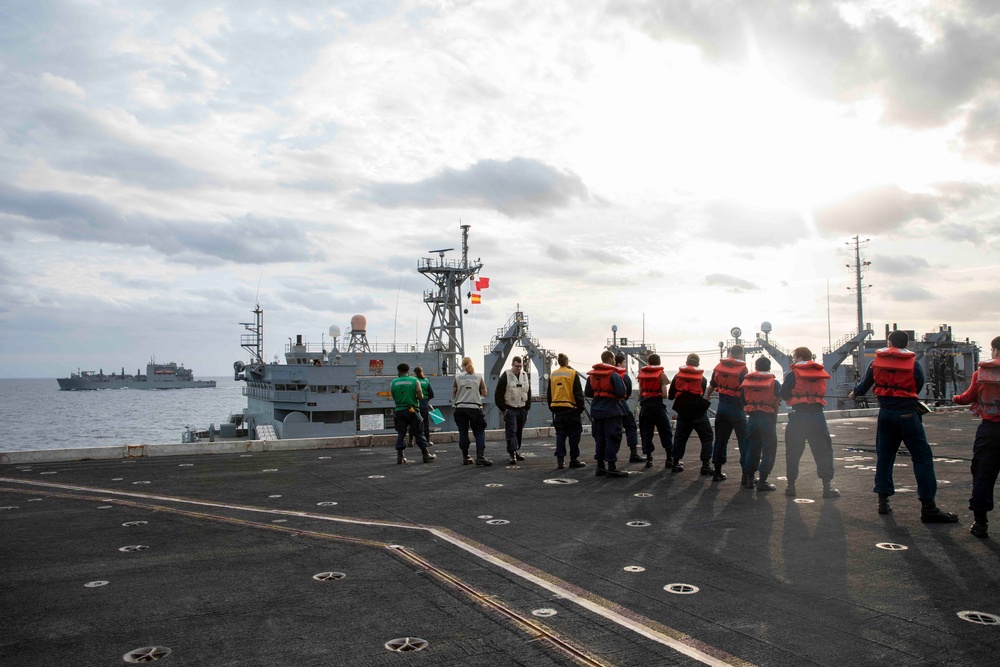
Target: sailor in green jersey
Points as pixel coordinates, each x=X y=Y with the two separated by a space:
x=406 y=393
x=425 y=403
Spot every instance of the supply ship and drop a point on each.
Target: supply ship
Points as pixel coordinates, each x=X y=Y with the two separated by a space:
x=158 y=376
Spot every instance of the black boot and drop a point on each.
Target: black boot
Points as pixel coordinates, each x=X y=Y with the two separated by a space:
x=613 y=470
x=678 y=466
x=931 y=513
x=481 y=460
x=559 y=463
x=577 y=463
x=649 y=460
x=790 y=489
x=428 y=457
x=829 y=491
x=706 y=468
x=601 y=470
x=634 y=456
x=883 y=504
x=719 y=475
x=466 y=459
x=399 y=457
x=764 y=485
x=980 y=528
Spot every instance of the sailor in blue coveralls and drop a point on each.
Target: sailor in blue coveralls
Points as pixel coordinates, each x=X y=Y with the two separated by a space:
x=605 y=387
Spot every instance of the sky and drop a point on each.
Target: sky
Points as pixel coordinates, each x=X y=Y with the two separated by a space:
x=673 y=167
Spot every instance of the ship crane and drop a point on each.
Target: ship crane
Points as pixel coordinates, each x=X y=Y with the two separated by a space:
x=515 y=332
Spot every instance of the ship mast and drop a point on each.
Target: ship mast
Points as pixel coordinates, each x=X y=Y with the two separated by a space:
x=859 y=267
x=446 y=334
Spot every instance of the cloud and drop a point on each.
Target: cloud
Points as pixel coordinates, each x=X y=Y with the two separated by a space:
x=519 y=186
x=879 y=210
x=743 y=224
x=84 y=218
x=910 y=293
x=924 y=63
x=732 y=283
x=901 y=265
x=65 y=86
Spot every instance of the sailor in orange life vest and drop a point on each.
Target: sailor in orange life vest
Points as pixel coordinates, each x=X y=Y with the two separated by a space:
x=513 y=398
x=628 y=419
x=566 y=401
x=984 y=396
x=653 y=388
x=898 y=380
x=727 y=378
x=803 y=390
x=760 y=394
x=605 y=387
x=686 y=391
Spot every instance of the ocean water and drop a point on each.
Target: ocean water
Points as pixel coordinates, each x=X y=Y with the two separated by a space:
x=36 y=414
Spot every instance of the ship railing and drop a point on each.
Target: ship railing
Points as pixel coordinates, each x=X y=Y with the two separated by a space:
x=267 y=392
x=430 y=263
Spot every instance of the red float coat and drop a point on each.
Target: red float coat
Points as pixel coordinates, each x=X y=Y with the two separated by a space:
x=727 y=376
x=984 y=392
x=758 y=391
x=688 y=379
x=600 y=380
x=810 y=383
x=892 y=370
x=650 y=382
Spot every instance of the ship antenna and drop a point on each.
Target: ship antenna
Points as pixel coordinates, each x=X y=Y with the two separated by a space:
x=395 y=315
x=256 y=298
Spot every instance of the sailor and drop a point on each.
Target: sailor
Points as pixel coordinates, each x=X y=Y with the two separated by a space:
x=803 y=390
x=727 y=378
x=566 y=401
x=628 y=419
x=467 y=392
x=898 y=380
x=686 y=391
x=513 y=398
x=406 y=393
x=425 y=403
x=606 y=388
x=760 y=395
x=653 y=388
x=984 y=396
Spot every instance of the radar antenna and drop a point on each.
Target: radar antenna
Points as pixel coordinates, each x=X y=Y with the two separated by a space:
x=446 y=334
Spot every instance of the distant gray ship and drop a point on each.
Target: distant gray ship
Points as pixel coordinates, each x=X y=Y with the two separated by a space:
x=158 y=376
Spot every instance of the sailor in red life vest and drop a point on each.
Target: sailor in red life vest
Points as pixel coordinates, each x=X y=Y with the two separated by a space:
x=605 y=387
x=686 y=391
x=898 y=380
x=653 y=388
x=760 y=394
x=984 y=396
x=628 y=419
x=803 y=390
x=727 y=378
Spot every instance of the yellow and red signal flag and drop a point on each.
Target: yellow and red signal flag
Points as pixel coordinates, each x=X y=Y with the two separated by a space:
x=476 y=298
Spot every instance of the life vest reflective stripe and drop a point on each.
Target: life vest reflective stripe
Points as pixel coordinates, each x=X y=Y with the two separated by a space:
x=600 y=381
x=688 y=379
x=810 y=383
x=758 y=390
x=892 y=370
x=987 y=404
x=561 y=383
x=650 y=382
x=727 y=376
x=516 y=394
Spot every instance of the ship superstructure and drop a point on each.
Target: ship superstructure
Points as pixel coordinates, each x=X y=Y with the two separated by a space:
x=319 y=392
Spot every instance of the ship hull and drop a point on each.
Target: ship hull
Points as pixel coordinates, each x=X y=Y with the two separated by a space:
x=87 y=384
